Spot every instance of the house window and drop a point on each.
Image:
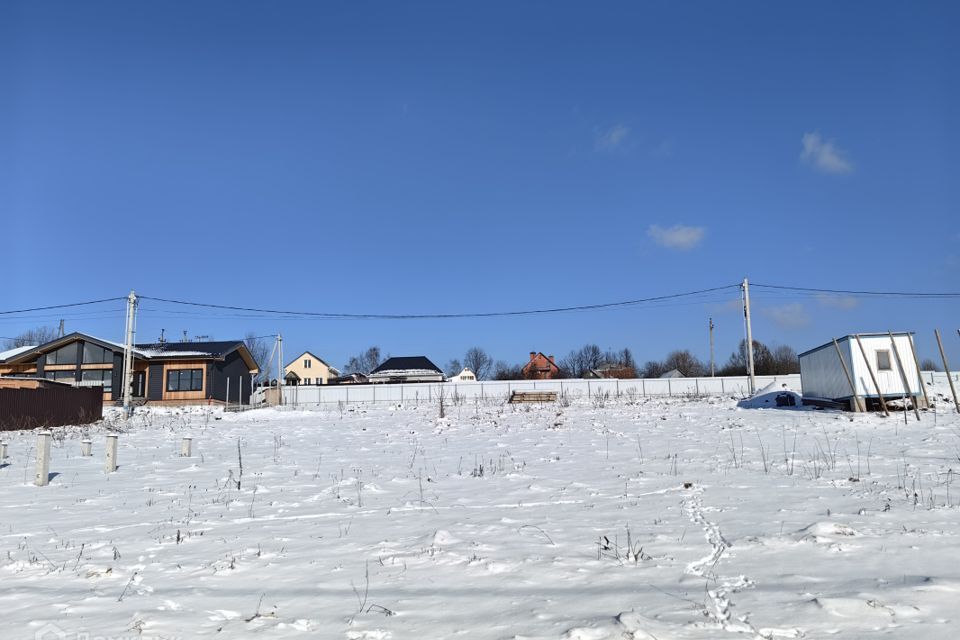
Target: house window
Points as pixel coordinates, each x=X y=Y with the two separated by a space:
x=92 y=354
x=64 y=355
x=306 y=365
x=61 y=376
x=306 y=381
x=883 y=361
x=185 y=380
x=103 y=376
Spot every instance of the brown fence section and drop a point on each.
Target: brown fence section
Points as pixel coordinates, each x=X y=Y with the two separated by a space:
x=49 y=407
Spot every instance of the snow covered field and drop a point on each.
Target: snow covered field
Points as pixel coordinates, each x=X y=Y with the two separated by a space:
x=657 y=519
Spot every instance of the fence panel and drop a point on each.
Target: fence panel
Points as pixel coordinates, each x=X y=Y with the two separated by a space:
x=498 y=390
x=49 y=407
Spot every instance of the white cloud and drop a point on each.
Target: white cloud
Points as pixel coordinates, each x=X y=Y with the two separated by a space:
x=788 y=316
x=611 y=139
x=838 y=301
x=677 y=236
x=824 y=155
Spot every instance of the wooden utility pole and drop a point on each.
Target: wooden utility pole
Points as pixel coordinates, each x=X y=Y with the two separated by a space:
x=846 y=372
x=903 y=377
x=946 y=367
x=60 y=330
x=876 y=385
x=916 y=361
x=746 y=315
x=712 y=366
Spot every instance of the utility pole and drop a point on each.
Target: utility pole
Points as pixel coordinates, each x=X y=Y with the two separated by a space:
x=746 y=315
x=712 y=366
x=60 y=331
x=128 y=354
x=279 y=368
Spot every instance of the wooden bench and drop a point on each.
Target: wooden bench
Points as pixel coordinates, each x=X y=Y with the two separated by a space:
x=532 y=396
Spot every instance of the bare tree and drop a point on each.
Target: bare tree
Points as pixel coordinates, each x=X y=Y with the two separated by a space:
x=453 y=368
x=785 y=360
x=479 y=362
x=684 y=362
x=260 y=349
x=927 y=364
x=580 y=361
x=652 y=369
x=32 y=337
x=763 y=364
x=365 y=362
x=506 y=371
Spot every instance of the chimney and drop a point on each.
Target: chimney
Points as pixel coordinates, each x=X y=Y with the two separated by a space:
x=551 y=359
x=533 y=356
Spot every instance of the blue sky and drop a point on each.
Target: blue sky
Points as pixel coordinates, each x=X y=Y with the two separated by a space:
x=445 y=157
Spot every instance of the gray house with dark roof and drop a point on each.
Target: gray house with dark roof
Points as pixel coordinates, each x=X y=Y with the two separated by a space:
x=167 y=373
x=406 y=369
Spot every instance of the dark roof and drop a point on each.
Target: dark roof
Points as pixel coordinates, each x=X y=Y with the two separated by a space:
x=31 y=354
x=215 y=349
x=406 y=363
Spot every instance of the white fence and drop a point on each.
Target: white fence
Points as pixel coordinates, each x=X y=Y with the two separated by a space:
x=307 y=397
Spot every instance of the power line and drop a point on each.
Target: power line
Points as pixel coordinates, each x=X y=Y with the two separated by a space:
x=60 y=306
x=442 y=316
x=888 y=294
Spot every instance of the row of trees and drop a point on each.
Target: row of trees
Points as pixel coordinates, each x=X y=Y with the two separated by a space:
x=778 y=360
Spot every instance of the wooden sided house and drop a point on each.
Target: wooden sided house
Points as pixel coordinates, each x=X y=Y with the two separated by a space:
x=307 y=369
x=168 y=372
x=540 y=367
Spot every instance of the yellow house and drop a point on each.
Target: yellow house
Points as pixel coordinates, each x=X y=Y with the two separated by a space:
x=308 y=369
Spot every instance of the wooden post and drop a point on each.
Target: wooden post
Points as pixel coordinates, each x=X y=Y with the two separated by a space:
x=86 y=448
x=876 y=385
x=227 y=402
x=42 y=477
x=916 y=361
x=3 y=452
x=110 y=461
x=946 y=367
x=903 y=377
x=186 y=447
x=240 y=395
x=846 y=372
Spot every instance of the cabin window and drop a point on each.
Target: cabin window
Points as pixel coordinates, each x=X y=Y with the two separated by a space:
x=103 y=376
x=883 y=361
x=64 y=355
x=92 y=354
x=185 y=380
x=306 y=365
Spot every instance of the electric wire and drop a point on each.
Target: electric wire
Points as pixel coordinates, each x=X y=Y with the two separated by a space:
x=441 y=316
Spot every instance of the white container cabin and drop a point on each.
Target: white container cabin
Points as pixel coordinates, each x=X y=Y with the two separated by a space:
x=822 y=374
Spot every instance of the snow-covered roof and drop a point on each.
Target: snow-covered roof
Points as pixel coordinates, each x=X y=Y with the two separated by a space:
x=396 y=373
x=9 y=353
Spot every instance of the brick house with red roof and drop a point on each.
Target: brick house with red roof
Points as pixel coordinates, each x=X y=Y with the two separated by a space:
x=540 y=367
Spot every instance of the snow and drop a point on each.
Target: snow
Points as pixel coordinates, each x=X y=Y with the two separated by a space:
x=661 y=518
x=9 y=353
x=775 y=394
x=385 y=373
x=154 y=353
